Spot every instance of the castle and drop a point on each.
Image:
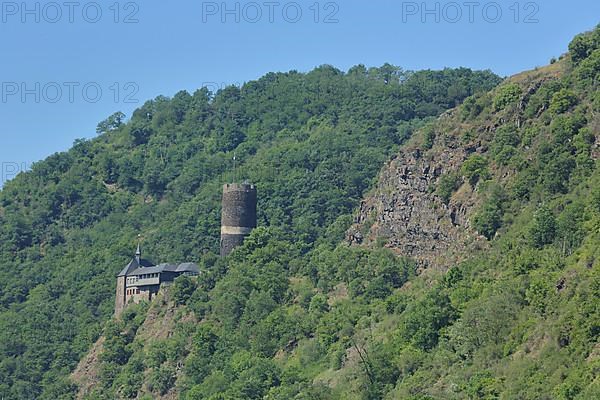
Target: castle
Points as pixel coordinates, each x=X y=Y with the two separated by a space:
x=142 y=280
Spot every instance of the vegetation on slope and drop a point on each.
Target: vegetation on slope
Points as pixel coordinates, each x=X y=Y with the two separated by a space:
x=313 y=144
x=520 y=320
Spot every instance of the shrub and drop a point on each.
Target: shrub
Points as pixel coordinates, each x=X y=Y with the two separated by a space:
x=447 y=185
x=482 y=385
x=562 y=101
x=162 y=379
x=507 y=95
x=424 y=320
x=428 y=137
x=543 y=228
x=596 y=199
x=540 y=100
x=475 y=168
x=489 y=218
x=471 y=108
x=582 y=46
x=183 y=288
x=537 y=294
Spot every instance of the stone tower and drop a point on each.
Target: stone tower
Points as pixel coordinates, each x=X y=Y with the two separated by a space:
x=121 y=298
x=238 y=216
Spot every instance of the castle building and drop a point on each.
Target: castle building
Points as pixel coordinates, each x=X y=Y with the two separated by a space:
x=238 y=215
x=141 y=280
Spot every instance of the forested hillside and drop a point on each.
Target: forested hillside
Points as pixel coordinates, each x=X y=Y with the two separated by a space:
x=313 y=143
x=508 y=302
x=499 y=300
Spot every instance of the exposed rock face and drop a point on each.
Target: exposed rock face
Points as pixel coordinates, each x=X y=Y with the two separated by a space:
x=409 y=217
x=158 y=325
x=87 y=374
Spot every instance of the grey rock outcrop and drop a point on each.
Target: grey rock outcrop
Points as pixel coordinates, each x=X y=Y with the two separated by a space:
x=405 y=214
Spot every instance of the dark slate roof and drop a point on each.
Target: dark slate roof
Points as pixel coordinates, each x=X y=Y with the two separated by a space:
x=133 y=265
x=133 y=268
x=188 y=267
x=153 y=270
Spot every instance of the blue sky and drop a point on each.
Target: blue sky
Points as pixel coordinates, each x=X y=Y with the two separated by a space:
x=56 y=56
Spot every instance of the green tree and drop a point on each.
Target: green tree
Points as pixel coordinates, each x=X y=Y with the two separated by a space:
x=562 y=101
x=447 y=185
x=423 y=321
x=543 y=227
x=183 y=288
x=113 y=122
x=488 y=219
x=507 y=95
x=475 y=168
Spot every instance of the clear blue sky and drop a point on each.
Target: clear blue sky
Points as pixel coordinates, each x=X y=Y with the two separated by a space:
x=185 y=44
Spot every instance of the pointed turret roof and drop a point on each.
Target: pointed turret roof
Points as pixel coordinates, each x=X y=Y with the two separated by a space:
x=138 y=253
x=135 y=263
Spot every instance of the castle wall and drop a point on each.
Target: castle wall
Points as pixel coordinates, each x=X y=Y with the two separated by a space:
x=144 y=293
x=121 y=299
x=238 y=215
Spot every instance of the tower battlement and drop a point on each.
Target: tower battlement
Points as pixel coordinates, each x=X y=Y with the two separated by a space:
x=235 y=187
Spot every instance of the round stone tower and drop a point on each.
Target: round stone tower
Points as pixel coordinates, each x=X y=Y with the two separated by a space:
x=238 y=215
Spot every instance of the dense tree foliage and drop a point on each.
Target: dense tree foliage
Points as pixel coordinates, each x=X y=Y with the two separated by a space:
x=313 y=143
x=295 y=313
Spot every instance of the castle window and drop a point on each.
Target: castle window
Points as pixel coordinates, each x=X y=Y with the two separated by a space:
x=137 y=291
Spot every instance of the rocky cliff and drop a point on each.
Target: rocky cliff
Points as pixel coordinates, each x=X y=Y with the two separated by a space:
x=404 y=212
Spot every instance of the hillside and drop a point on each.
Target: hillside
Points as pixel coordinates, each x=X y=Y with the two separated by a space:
x=470 y=270
x=312 y=142
x=498 y=203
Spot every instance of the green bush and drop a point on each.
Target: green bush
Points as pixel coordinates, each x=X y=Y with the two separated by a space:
x=162 y=379
x=447 y=185
x=428 y=137
x=542 y=230
x=537 y=294
x=507 y=95
x=488 y=219
x=423 y=321
x=475 y=168
x=583 y=45
x=562 y=101
x=182 y=289
x=540 y=100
